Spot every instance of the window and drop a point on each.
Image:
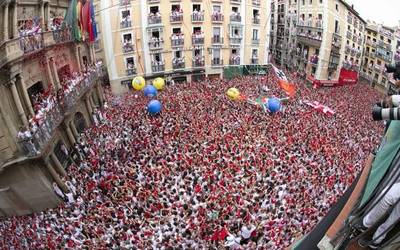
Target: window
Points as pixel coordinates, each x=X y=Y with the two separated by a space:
x=302 y=2
x=320 y=1
x=175 y=7
x=196 y=7
x=337 y=26
x=255 y=34
x=130 y=63
x=216 y=31
x=217 y=8
x=216 y=53
x=154 y=9
x=176 y=30
x=254 y=53
x=310 y=1
x=178 y=54
x=235 y=9
x=337 y=7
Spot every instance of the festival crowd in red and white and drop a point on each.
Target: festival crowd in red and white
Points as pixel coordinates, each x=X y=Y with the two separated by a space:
x=207 y=172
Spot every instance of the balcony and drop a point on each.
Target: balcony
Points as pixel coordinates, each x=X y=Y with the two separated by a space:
x=177 y=41
x=235 y=40
x=197 y=17
x=124 y=2
x=30 y=43
x=158 y=67
x=234 y=60
x=176 y=17
x=127 y=48
x=254 y=60
x=217 y=62
x=256 y=2
x=217 y=40
x=236 y=1
x=217 y=18
x=333 y=65
x=255 y=41
x=156 y=43
x=256 y=20
x=154 y=19
x=178 y=63
x=198 y=61
x=125 y=24
x=153 y=1
x=310 y=39
x=131 y=72
x=349 y=35
x=197 y=40
x=62 y=35
x=236 y=17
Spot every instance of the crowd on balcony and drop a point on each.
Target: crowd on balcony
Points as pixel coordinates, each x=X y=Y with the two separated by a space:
x=311 y=35
x=207 y=172
x=177 y=14
x=156 y=42
x=154 y=17
x=177 y=38
x=56 y=23
x=178 y=62
x=30 y=35
x=235 y=59
x=128 y=45
x=198 y=36
x=198 y=15
x=126 y=21
x=235 y=16
x=217 y=15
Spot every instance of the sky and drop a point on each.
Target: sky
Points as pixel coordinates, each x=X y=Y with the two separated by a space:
x=386 y=11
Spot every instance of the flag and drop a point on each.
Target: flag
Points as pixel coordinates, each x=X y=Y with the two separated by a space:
x=71 y=20
x=290 y=89
x=279 y=73
x=320 y=107
x=85 y=17
x=92 y=27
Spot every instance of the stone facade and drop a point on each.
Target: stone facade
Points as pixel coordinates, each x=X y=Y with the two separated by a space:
x=30 y=64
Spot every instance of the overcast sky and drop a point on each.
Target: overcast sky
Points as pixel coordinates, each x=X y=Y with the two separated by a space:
x=386 y=11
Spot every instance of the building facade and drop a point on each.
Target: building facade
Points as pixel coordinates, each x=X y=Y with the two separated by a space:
x=42 y=111
x=323 y=36
x=380 y=48
x=181 y=40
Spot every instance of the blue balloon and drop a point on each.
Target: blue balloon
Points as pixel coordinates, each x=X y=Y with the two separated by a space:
x=150 y=91
x=154 y=107
x=274 y=105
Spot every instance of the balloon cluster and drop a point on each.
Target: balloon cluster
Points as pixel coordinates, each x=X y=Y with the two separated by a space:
x=139 y=83
x=233 y=94
x=273 y=105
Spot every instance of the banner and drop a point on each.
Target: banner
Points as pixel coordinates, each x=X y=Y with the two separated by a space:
x=279 y=73
x=290 y=89
x=347 y=77
x=320 y=107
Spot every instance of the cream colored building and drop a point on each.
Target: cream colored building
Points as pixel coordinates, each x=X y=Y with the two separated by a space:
x=380 y=46
x=30 y=65
x=329 y=35
x=181 y=40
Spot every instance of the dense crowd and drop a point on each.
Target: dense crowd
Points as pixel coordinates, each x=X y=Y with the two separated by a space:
x=207 y=172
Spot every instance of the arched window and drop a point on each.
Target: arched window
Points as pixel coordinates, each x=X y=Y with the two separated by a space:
x=79 y=122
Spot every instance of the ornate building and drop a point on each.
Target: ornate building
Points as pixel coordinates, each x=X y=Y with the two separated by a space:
x=49 y=89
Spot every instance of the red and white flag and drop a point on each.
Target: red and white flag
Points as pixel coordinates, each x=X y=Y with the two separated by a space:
x=320 y=107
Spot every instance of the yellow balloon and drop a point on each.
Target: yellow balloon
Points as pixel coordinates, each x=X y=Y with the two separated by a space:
x=138 y=83
x=159 y=83
x=233 y=93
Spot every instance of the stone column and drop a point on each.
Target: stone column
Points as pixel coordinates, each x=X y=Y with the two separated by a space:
x=78 y=58
x=53 y=68
x=42 y=22
x=15 y=20
x=55 y=176
x=74 y=131
x=70 y=134
x=50 y=73
x=100 y=94
x=59 y=168
x=89 y=108
x=17 y=101
x=92 y=103
x=26 y=96
x=5 y=21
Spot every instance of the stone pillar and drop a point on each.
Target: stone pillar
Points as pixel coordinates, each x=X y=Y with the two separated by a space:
x=89 y=108
x=50 y=73
x=70 y=134
x=53 y=69
x=26 y=96
x=5 y=21
x=59 y=168
x=15 y=20
x=74 y=131
x=17 y=101
x=78 y=58
x=92 y=103
x=100 y=94
x=55 y=176
x=42 y=22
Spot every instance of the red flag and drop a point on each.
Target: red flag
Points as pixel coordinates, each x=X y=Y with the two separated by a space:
x=290 y=89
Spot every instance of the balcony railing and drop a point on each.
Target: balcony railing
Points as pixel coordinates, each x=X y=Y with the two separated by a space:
x=256 y=2
x=158 y=67
x=217 y=61
x=197 y=40
x=153 y=19
x=30 y=43
x=349 y=35
x=235 y=40
x=198 y=62
x=125 y=24
x=130 y=72
x=128 y=47
x=153 y=1
x=255 y=41
x=236 y=17
x=197 y=17
x=62 y=35
x=156 y=43
x=254 y=60
x=234 y=61
x=256 y=20
x=236 y=1
x=176 y=17
x=217 y=40
x=217 y=18
x=177 y=41
x=178 y=63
